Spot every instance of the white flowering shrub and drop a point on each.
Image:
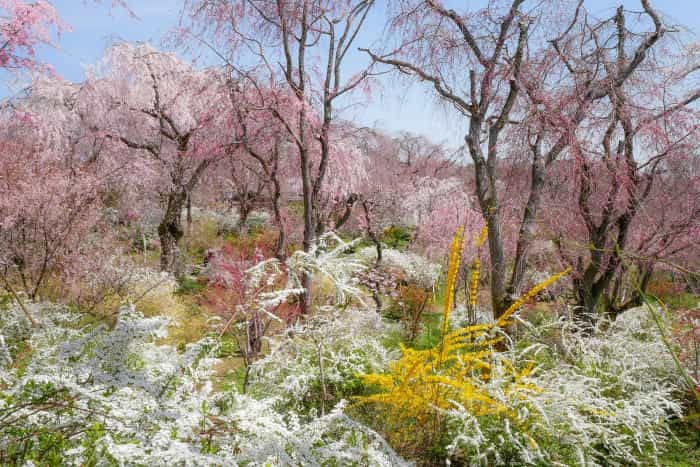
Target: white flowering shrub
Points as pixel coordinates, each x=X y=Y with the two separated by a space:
x=329 y=260
x=77 y=390
x=605 y=400
x=314 y=365
x=266 y=283
x=73 y=394
x=417 y=268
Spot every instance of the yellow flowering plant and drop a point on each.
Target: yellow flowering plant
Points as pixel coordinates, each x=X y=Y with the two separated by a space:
x=460 y=370
x=475 y=272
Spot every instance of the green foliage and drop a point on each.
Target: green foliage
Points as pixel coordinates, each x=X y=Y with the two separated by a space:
x=684 y=449
x=228 y=347
x=200 y=237
x=408 y=307
x=684 y=301
x=397 y=237
x=5 y=300
x=429 y=337
x=45 y=445
x=188 y=285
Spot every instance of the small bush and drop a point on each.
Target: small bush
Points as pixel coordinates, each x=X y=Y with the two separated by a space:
x=312 y=367
x=664 y=288
x=410 y=304
x=188 y=285
x=397 y=237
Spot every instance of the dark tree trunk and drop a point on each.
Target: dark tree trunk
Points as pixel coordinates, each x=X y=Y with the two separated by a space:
x=599 y=273
x=485 y=175
x=245 y=207
x=587 y=297
x=377 y=300
x=170 y=232
x=528 y=225
x=370 y=233
x=276 y=195
x=189 y=214
x=309 y=225
x=349 y=203
x=615 y=306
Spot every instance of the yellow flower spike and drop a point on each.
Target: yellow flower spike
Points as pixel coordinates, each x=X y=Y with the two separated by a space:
x=452 y=272
x=482 y=237
x=474 y=283
x=503 y=320
x=601 y=413
x=419 y=386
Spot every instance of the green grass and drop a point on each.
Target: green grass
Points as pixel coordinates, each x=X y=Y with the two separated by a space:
x=686 y=301
x=393 y=339
x=189 y=286
x=231 y=374
x=683 y=451
x=5 y=300
x=429 y=337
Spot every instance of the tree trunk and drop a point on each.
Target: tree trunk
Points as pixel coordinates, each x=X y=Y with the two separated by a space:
x=528 y=226
x=309 y=225
x=349 y=203
x=170 y=232
x=615 y=306
x=244 y=209
x=370 y=233
x=276 y=195
x=485 y=176
x=588 y=297
x=189 y=214
x=500 y=300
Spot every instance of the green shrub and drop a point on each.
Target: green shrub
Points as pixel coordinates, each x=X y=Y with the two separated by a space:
x=397 y=237
x=410 y=303
x=188 y=285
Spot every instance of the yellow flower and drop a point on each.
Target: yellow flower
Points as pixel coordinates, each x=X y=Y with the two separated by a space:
x=422 y=383
x=474 y=284
x=504 y=319
x=479 y=242
x=452 y=272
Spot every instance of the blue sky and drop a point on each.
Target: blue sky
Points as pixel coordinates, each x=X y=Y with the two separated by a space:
x=392 y=107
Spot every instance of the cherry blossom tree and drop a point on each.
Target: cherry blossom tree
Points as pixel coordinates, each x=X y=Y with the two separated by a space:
x=242 y=185
x=164 y=113
x=25 y=25
x=491 y=66
x=260 y=149
x=408 y=177
x=347 y=174
x=282 y=40
x=50 y=190
x=480 y=53
x=662 y=237
x=634 y=201
x=628 y=117
x=379 y=198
